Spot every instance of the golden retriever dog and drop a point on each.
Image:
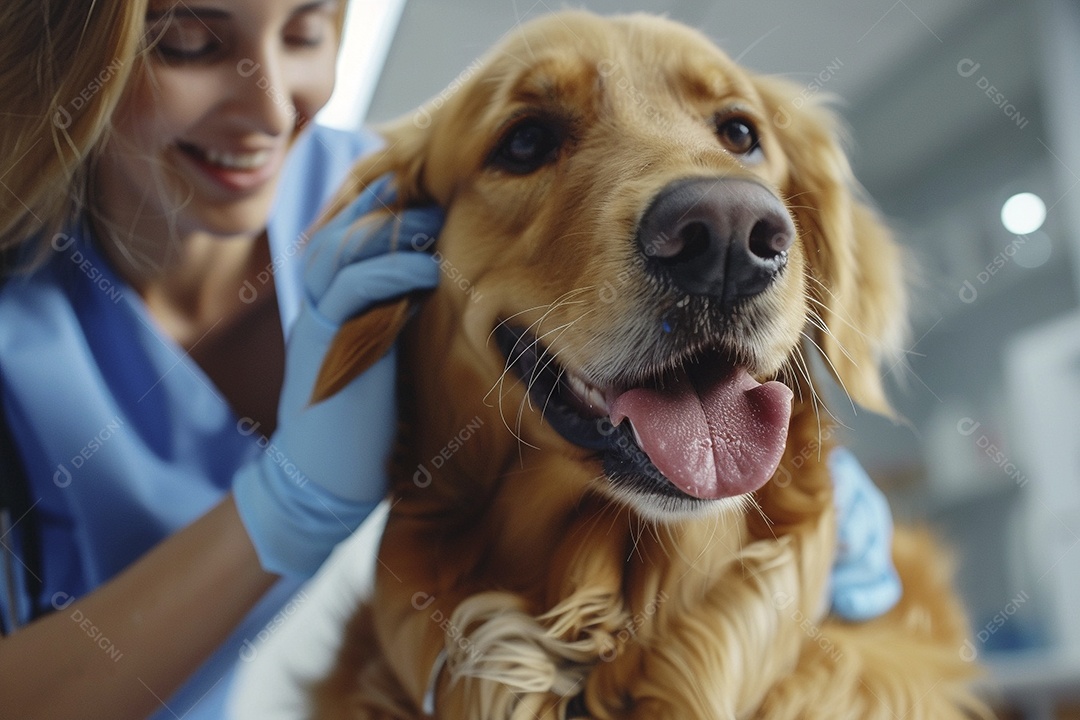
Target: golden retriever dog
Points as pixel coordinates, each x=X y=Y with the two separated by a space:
x=596 y=507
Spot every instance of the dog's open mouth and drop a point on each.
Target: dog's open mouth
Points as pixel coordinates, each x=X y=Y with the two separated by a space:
x=706 y=430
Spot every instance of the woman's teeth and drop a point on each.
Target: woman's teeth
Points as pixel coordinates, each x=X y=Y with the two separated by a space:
x=235 y=161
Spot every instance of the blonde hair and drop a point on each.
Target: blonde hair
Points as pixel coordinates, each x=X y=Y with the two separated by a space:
x=63 y=69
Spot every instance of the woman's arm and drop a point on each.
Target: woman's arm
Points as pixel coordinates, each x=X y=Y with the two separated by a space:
x=164 y=615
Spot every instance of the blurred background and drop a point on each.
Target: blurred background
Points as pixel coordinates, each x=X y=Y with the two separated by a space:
x=964 y=121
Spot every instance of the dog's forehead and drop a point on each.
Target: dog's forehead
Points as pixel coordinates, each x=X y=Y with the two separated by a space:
x=639 y=76
x=570 y=54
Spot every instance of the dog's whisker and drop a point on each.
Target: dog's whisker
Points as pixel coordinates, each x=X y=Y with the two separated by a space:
x=844 y=321
x=790 y=370
x=635 y=537
x=502 y=416
x=836 y=313
x=819 y=322
x=500 y=385
x=554 y=387
x=655 y=530
x=820 y=401
x=828 y=291
x=538 y=369
x=677 y=545
x=555 y=351
x=562 y=370
x=547 y=349
x=512 y=359
x=614 y=516
x=553 y=306
x=535 y=308
x=836 y=374
x=753 y=504
x=816 y=402
x=584 y=233
x=532 y=381
x=788 y=198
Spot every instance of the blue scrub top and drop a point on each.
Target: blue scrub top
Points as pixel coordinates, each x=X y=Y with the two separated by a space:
x=123 y=438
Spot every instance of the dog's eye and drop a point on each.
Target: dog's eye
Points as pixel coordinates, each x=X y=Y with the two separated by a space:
x=739 y=136
x=527 y=146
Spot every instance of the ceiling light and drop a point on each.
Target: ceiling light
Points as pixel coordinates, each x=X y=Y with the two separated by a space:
x=1023 y=213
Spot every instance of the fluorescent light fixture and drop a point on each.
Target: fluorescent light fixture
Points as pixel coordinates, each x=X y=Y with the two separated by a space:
x=369 y=29
x=1023 y=213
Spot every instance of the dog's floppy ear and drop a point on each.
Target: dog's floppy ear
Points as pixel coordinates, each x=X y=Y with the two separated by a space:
x=856 y=277
x=364 y=339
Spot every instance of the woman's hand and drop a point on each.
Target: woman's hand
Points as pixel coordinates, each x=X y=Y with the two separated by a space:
x=325 y=468
x=864 y=582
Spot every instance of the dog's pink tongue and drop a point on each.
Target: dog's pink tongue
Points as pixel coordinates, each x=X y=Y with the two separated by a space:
x=715 y=434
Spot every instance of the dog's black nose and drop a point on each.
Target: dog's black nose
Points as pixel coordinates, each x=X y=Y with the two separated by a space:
x=720 y=237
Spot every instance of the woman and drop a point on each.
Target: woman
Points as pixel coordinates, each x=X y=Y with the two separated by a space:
x=175 y=485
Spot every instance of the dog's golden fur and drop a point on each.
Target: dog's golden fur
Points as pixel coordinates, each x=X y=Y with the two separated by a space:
x=515 y=557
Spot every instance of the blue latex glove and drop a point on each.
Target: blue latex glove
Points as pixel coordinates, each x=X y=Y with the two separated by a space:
x=325 y=467
x=864 y=583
